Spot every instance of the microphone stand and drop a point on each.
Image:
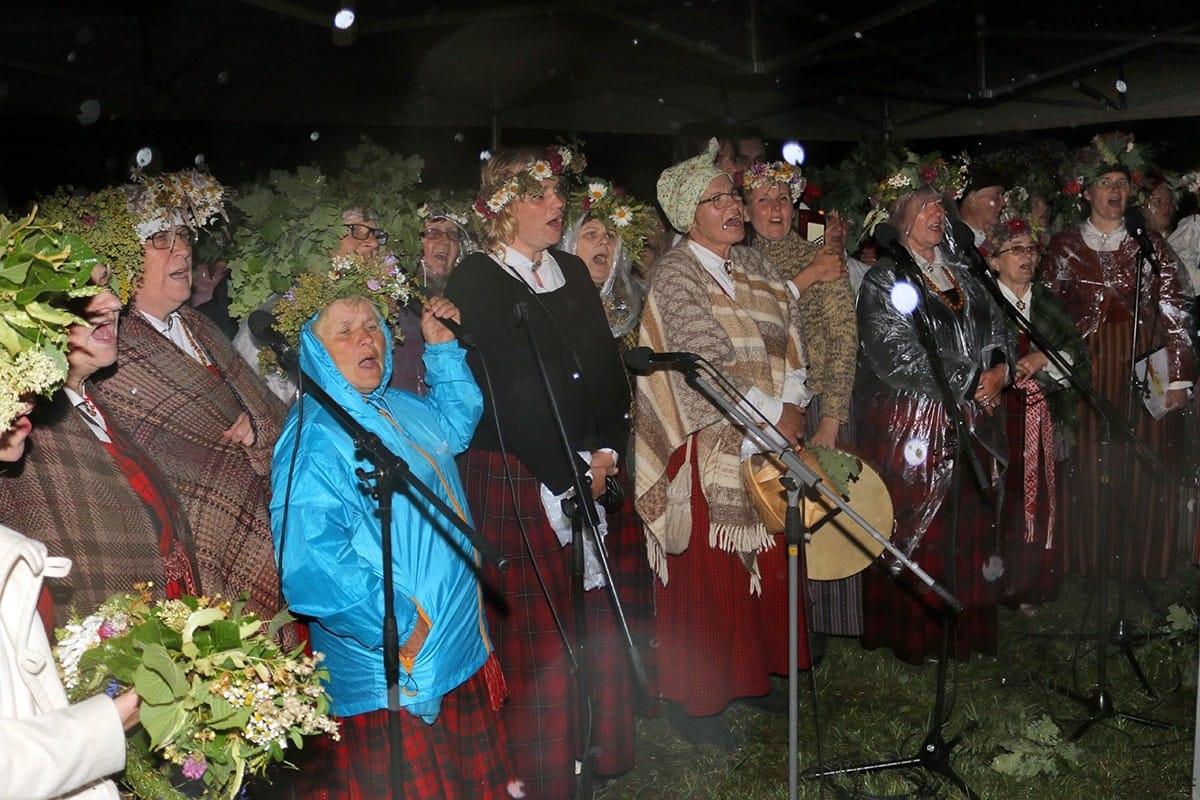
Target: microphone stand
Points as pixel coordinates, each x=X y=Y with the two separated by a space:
x=580 y=508
x=934 y=754
x=390 y=475
x=1099 y=704
x=798 y=474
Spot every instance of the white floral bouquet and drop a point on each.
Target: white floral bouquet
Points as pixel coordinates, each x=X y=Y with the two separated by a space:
x=219 y=699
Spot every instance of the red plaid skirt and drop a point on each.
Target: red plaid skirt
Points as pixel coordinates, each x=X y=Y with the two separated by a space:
x=901 y=612
x=462 y=756
x=717 y=641
x=543 y=704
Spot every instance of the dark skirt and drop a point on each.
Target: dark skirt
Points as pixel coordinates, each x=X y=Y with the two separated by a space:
x=544 y=706
x=900 y=611
x=462 y=756
x=717 y=641
x=834 y=606
x=1130 y=511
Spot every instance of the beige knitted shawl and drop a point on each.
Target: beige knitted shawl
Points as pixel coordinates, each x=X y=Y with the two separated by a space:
x=752 y=340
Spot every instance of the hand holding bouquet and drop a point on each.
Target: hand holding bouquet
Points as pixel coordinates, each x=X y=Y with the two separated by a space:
x=220 y=699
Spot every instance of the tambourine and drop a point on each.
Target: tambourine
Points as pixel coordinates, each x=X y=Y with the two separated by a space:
x=838 y=546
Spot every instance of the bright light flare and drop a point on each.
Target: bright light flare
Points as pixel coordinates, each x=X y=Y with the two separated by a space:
x=793 y=153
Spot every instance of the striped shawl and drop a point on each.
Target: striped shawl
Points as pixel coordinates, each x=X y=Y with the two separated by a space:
x=754 y=341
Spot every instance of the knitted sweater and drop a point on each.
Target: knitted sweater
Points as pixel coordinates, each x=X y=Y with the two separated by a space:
x=830 y=325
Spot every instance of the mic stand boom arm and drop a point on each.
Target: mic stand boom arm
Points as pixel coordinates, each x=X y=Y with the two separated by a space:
x=803 y=474
x=1113 y=419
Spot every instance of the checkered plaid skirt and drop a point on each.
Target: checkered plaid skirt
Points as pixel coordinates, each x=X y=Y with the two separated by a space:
x=462 y=756
x=544 y=711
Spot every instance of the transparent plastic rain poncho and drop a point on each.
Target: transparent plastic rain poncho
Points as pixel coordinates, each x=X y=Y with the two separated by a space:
x=1091 y=281
x=620 y=293
x=897 y=389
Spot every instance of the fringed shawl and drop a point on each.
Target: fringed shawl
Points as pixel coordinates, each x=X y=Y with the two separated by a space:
x=754 y=343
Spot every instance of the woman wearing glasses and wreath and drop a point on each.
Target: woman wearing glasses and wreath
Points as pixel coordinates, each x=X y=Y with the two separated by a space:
x=185 y=398
x=444 y=241
x=1041 y=413
x=720 y=594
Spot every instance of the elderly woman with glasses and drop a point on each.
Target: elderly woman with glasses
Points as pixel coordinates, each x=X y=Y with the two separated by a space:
x=1041 y=413
x=188 y=401
x=444 y=241
x=722 y=586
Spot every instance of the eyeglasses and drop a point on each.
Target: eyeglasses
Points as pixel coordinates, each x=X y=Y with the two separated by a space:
x=723 y=200
x=434 y=234
x=363 y=232
x=1021 y=250
x=165 y=240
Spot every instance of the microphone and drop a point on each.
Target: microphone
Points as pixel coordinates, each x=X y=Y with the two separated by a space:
x=888 y=238
x=1135 y=224
x=640 y=359
x=465 y=339
x=262 y=327
x=964 y=237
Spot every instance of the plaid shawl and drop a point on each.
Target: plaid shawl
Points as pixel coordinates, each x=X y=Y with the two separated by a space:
x=754 y=341
x=69 y=494
x=175 y=409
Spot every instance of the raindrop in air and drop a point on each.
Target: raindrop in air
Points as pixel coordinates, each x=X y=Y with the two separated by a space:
x=915 y=451
x=314 y=136
x=904 y=297
x=144 y=157
x=199 y=159
x=1122 y=87
x=223 y=76
x=793 y=153
x=89 y=112
x=70 y=56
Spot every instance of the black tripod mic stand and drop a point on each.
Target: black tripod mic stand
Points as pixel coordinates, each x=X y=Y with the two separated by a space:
x=798 y=475
x=580 y=509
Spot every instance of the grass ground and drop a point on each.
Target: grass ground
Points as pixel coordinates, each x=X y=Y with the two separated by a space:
x=1010 y=715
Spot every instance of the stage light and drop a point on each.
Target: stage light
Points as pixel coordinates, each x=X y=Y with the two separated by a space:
x=344 y=17
x=793 y=153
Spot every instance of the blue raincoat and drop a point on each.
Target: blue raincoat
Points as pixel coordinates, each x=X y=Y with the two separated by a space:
x=331 y=561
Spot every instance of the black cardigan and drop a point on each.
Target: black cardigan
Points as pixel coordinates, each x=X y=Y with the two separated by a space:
x=581 y=358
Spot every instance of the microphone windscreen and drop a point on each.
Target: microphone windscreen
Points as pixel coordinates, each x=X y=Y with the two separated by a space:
x=1135 y=220
x=262 y=325
x=638 y=360
x=886 y=235
x=963 y=235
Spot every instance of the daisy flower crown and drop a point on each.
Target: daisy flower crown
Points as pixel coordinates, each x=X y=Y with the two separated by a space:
x=441 y=209
x=619 y=211
x=762 y=175
x=557 y=161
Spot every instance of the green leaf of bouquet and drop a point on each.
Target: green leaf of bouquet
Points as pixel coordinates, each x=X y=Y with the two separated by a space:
x=162 y=721
x=198 y=619
x=226 y=635
x=159 y=679
x=224 y=715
